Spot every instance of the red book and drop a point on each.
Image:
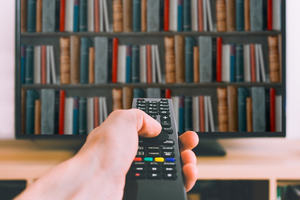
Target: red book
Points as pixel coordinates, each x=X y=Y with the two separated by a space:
x=168 y=94
x=43 y=65
x=97 y=16
x=202 y=115
x=270 y=15
x=219 y=59
x=62 y=15
x=149 y=64
x=61 y=113
x=166 y=15
x=200 y=15
x=96 y=112
x=272 y=110
x=252 y=61
x=115 y=60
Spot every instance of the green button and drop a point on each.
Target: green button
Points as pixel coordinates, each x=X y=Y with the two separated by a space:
x=148 y=159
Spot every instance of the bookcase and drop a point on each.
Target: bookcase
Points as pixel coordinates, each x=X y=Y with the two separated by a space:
x=154 y=38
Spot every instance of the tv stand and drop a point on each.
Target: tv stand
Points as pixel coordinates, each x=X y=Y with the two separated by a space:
x=209 y=147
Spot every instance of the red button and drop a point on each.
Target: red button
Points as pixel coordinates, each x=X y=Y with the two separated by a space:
x=137 y=174
x=137 y=159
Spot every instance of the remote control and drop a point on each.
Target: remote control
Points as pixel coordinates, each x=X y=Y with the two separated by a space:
x=156 y=173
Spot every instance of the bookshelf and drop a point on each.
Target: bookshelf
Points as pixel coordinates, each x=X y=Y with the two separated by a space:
x=178 y=89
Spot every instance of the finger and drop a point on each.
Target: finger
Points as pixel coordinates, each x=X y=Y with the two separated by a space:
x=188 y=140
x=190 y=174
x=188 y=156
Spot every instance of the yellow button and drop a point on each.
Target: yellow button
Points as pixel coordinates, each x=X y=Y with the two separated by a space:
x=159 y=159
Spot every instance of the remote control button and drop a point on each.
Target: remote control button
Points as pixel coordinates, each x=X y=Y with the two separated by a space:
x=159 y=159
x=168 y=130
x=170 y=159
x=167 y=148
x=151 y=148
x=138 y=169
x=153 y=154
x=154 y=168
x=168 y=142
x=139 y=175
x=165 y=123
x=170 y=170
x=152 y=112
x=148 y=159
x=140 y=154
x=170 y=176
x=141 y=148
x=168 y=154
x=137 y=159
x=136 y=164
x=154 y=175
x=164 y=112
x=169 y=164
x=165 y=118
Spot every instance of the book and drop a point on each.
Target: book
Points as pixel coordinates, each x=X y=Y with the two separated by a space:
x=101 y=16
x=135 y=67
x=83 y=15
x=206 y=114
x=222 y=109
x=91 y=65
x=153 y=18
x=138 y=93
x=48 y=63
x=90 y=15
x=168 y=93
x=117 y=99
x=48 y=20
x=274 y=66
x=97 y=15
x=31 y=15
x=153 y=93
x=127 y=97
x=226 y=63
x=29 y=113
x=252 y=63
x=249 y=114
x=196 y=64
x=64 y=60
x=117 y=16
x=61 y=118
x=256 y=15
x=221 y=15
x=258 y=109
x=189 y=44
x=257 y=64
x=39 y=15
x=180 y=16
x=210 y=16
x=204 y=14
x=181 y=115
x=75 y=122
x=175 y=101
x=187 y=16
x=261 y=63
x=242 y=109
x=84 y=60
x=194 y=15
x=278 y=113
x=247 y=63
x=136 y=16
x=239 y=62
x=210 y=114
x=37 y=65
x=205 y=57
x=143 y=64
x=166 y=14
x=153 y=64
x=75 y=59
x=96 y=112
x=188 y=110
x=108 y=15
x=76 y=16
x=69 y=15
x=143 y=15
x=128 y=64
x=121 y=72
x=232 y=109
x=232 y=63
x=179 y=58
x=127 y=18
x=272 y=110
x=173 y=15
x=219 y=60
x=202 y=113
x=270 y=15
x=239 y=17
x=276 y=14
x=47 y=111
x=200 y=15
x=101 y=60
x=115 y=60
x=29 y=65
x=23 y=63
x=170 y=59
x=23 y=16
x=158 y=64
x=37 y=117
x=149 y=63
x=90 y=114
x=247 y=15
x=196 y=117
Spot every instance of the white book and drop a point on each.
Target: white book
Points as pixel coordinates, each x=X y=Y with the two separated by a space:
x=121 y=76
x=143 y=64
x=206 y=114
x=276 y=15
x=52 y=63
x=90 y=114
x=196 y=118
x=105 y=114
x=69 y=16
x=204 y=15
x=48 y=81
x=194 y=8
x=175 y=102
x=173 y=15
x=105 y=13
x=101 y=118
x=101 y=12
x=278 y=113
x=91 y=16
x=158 y=67
x=261 y=63
x=247 y=63
x=37 y=65
x=211 y=114
x=209 y=16
x=153 y=64
x=226 y=63
x=68 y=121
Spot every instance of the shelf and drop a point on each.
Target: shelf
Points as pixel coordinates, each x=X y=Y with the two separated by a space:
x=150 y=34
x=153 y=85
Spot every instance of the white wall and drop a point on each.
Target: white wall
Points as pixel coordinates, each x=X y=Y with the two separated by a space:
x=7 y=21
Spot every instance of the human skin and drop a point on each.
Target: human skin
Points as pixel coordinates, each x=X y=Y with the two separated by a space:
x=99 y=169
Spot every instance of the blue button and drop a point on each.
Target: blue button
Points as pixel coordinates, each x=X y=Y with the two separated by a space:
x=170 y=159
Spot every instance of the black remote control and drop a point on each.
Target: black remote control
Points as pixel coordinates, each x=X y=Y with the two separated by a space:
x=156 y=173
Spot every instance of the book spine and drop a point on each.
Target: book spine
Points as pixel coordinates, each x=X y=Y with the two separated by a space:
x=75 y=59
x=196 y=114
x=68 y=127
x=153 y=18
x=272 y=110
x=96 y=16
x=91 y=65
x=31 y=15
x=222 y=109
x=278 y=113
x=181 y=115
x=117 y=98
x=232 y=109
x=135 y=70
x=196 y=64
x=188 y=110
x=43 y=64
x=96 y=112
x=48 y=65
x=249 y=114
x=127 y=97
x=39 y=15
x=274 y=59
x=29 y=65
x=29 y=124
x=269 y=15
x=194 y=15
x=47 y=111
x=187 y=16
x=247 y=15
x=101 y=17
x=258 y=109
x=257 y=64
x=121 y=76
x=75 y=116
x=242 y=111
x=168 y=94
x=23 y=16
x=179 y=58
x=127 y=19
x=180 y=16
x=90 y=16
x=83 y=16
x=84 y=60
x=23 y=64
x=48 y=18
x=62 y=15
x=115 y=60
x=221 y=15
x=61 y=118
x=232 y=63
x=149 y=64
x=253 y=63
x=117 y=16
x=173 y=17
x=143 y=15
x=90 y=114
x=276 y=15
x=76 y=16
x=143 y=64
x=138 y=93
x=205 y=57
x=202 y=113
x=69 y=16
x=170 y=59
x=101 y=60
x=219 y=60
x=136 y=15
x=166 y=14
x=37 y=65
x=189 y=43
x=240 y=15
x=128 y=64
x=37 y=117
x=64 y=60
x=256 y=15
x=239 y=63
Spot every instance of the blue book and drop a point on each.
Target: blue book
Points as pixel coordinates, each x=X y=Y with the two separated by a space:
x=31 y=15
x=153 y=16
x=258 y=109
x=180 y=16
x=188 y=110
x=136 y=16
x=48 y=18
x=242 y=112
x=29 y=121
x=181 y=115
x=187 y=16
x=29 y=65
x=232 y=63
x=256 y=15
x=138 y=93
x=57 y=15
x=128 y=64
x=135 y=68
x=82 y=125
x=56 y=111
x=75 y=116
x=76 y=16
x=47 y=111
x=239 y=70
x=83 y=15
x=84 y=60
x=239 y=16
x=23 y=64
x=189 y=68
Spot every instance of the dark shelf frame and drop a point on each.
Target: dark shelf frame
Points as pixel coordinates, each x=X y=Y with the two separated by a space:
x=213 y=135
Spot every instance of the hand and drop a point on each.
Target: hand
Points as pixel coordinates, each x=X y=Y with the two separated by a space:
x=100 y=167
